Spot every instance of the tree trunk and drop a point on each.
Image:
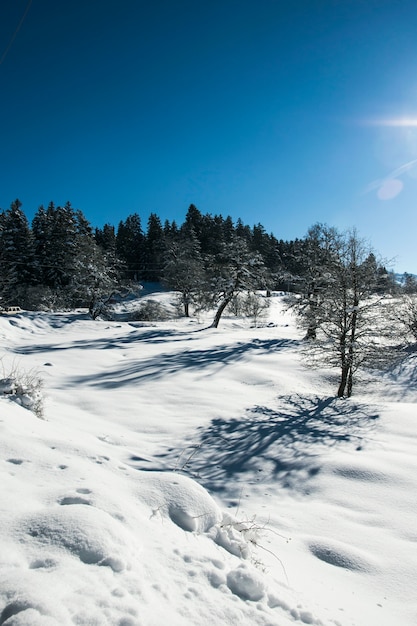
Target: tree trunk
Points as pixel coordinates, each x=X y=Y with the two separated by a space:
x=312 y=318
x=311 y=332
x=344 y=361
x=343 y=381
x=94 y=309
x=352 y=346
x=219 y=312
x=186 y=303
x=350 y=382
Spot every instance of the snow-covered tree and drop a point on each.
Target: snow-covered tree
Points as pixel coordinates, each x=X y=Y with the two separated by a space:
x=106 y=238
x=235 y=270
x=405 y=315
x=75 y=270
x=17 y=261
x=318 y=257
x=409 y=283
x=130 y=245
x=184 y=268
x=56 y=232
x=344 y=310
x=154 y=249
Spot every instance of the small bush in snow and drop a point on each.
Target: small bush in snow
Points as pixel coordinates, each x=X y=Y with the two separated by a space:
x=150 y=311
x=235 y=306
x=255 y=306
x=242 y=537
x=25 y=388
x=250 y=304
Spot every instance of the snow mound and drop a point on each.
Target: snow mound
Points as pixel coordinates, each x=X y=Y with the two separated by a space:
x=84 y=531
x=26 y=612
x=29 y=604
x=180 y=499
x=246 y=583
x=340 y=555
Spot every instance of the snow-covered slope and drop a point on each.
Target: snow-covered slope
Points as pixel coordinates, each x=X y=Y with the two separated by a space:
x=184 y=475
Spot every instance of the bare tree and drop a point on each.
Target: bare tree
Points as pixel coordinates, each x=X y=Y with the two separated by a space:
x=405 y=314
x=318 y=255
x=351 y=330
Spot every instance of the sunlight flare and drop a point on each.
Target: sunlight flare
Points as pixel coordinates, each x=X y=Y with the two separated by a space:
x=402 y=122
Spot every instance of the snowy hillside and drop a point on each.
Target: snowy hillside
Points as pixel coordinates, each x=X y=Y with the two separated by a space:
x=189 y=476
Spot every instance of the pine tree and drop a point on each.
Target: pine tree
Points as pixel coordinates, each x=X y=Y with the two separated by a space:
x=17 y=259
x=130 y=246
x=106 y=238
x=154 y=249
x=42 y=241
x=84 y=228
x=194 y=221
x=228 y=229
x=62 y=247
x=242 y=231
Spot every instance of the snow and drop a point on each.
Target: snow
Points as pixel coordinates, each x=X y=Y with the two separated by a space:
x=188 y=475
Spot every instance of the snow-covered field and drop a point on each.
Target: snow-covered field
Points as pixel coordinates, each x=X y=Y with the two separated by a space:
x=189 y=476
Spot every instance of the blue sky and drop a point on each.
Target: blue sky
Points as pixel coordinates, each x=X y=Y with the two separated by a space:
x=276 y=111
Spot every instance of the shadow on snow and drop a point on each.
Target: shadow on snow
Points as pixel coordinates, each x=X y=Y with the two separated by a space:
x=168 y=364
x=282 y=446
x=403 y=378
x=135 y=334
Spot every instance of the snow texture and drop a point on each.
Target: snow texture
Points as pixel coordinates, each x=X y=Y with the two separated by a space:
x=184 y=475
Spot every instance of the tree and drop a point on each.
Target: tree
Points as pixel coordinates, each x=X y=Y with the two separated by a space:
x=130 y=245
x=154 y=247
x=235 y=270
x=170 y=229
x=74 y=269
x=317 y=257
x=250 y=304
x=349 y=322
x=41 y=230
x=405 y=312
x=106 y=238
x=409 y=283
x=214 y=233
x=194 y=221
x=17 y=260
x=183 y=270
x=243 y=231
x=61 y=245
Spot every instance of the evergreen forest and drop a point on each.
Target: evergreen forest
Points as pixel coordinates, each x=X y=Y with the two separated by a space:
x=61 y=261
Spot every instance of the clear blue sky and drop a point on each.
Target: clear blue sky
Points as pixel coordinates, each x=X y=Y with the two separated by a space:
x=276 y=111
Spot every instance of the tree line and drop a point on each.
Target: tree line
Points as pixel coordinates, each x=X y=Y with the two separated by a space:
x=60 y=259
x=336 y=282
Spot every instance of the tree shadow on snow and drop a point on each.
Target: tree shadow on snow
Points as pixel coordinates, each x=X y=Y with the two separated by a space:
x=402 y=378
x=168 y=364
x=283 y=446
x=134 y=334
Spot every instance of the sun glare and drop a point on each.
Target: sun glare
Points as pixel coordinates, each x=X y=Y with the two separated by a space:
x=405 y=122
